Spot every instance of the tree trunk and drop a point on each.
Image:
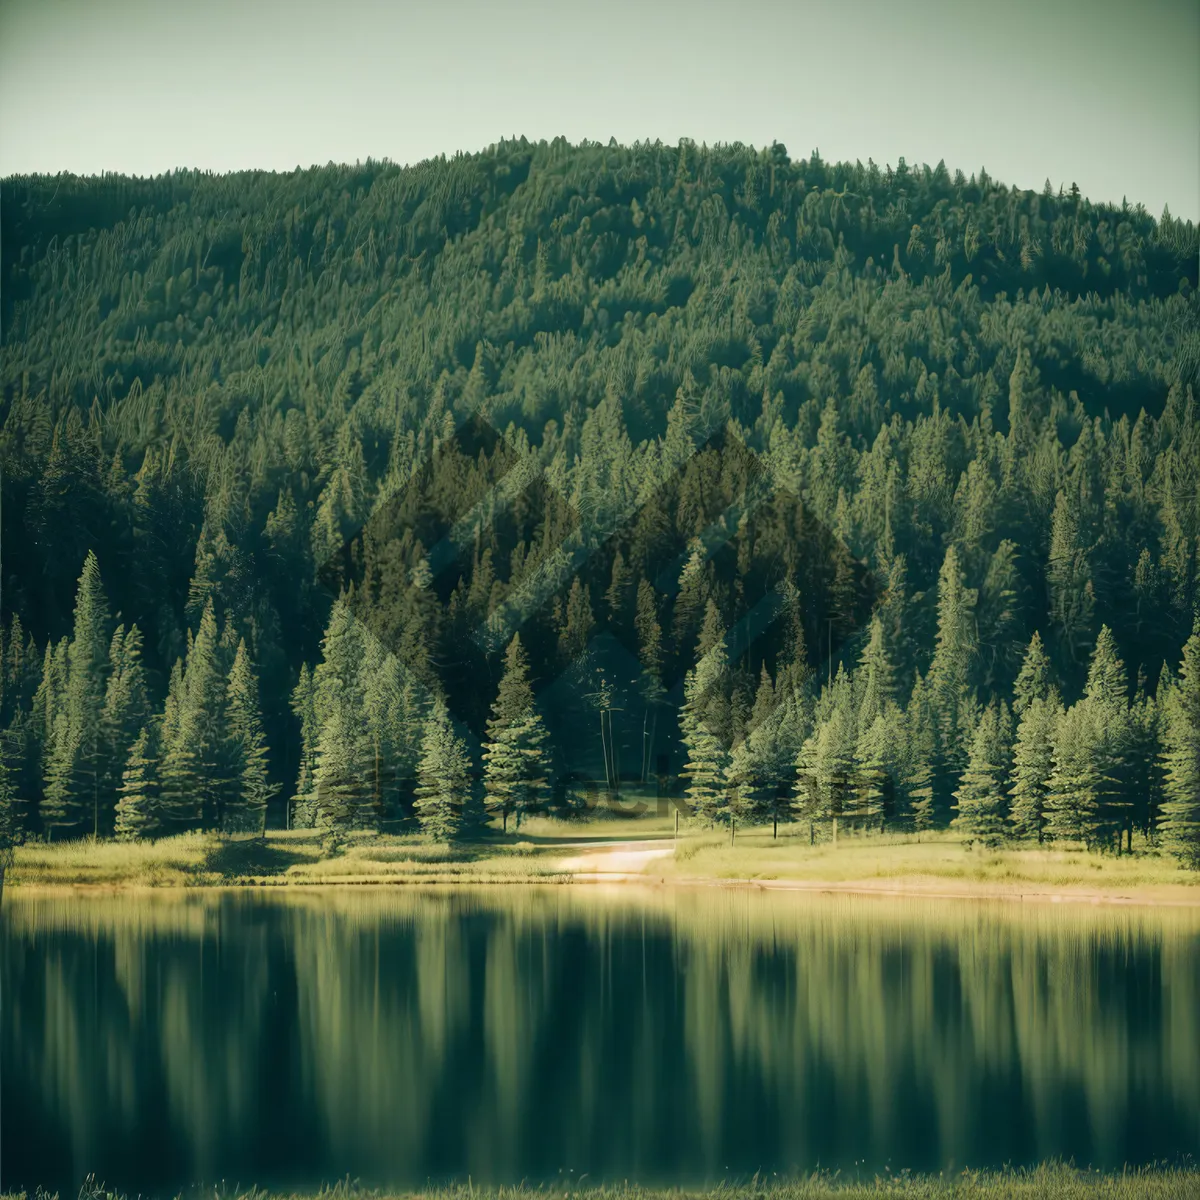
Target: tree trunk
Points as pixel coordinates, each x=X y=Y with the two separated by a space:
x=774 y=825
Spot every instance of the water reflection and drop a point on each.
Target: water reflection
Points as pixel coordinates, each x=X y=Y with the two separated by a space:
x=402 y=1035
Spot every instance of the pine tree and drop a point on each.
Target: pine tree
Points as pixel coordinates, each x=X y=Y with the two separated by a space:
x=878 y=685
x=1034 y=679
x=383 y=689
x=247 y=750
x=919 y=749
x=702 y=727
x=303 y=705
x=444 y=794
x=343 y=771
x=1077 y=787
x=1033 y=764
x=825 y=762
x=1179 y=821
x=1068 y=576
x=195 y=782
x=126 y=711
x=75 y=774
x=342 y=779
x=875 y=759
x=137 y=803
x=980 y=794
x=762 y=765
x=951 y=695
x=1107 y=692
x=514 y=759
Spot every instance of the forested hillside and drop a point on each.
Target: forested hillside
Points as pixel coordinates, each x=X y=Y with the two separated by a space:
x=411 y=497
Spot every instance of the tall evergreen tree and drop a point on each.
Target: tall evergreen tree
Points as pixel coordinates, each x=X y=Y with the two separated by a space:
x=342 y=779
x=1034 y=681
x=1068 y=577
x=919 y=742
x=1179 y=822
x=444 y=798
x=194 y=779
x=126 y=711
x=1107 y=693
x=76 y=771
x=137 y=813
x=302 y=812
x=980 y=795
x=951 y=694
x=247 y=750
x=514 y=760
x=343 y=770
x=1033 y=764
x=702 y=724
x=1077 y=786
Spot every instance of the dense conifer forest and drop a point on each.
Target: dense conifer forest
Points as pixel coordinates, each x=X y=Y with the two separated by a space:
x=427 y=497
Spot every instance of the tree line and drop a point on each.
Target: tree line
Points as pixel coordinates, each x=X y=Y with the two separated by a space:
x=420 y=491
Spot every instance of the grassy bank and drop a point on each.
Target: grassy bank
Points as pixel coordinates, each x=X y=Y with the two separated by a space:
x=1048 y=1182
x=553 y=851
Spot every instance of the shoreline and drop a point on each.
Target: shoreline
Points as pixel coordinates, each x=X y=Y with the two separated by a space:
x=893 y=869
x=1177 y=896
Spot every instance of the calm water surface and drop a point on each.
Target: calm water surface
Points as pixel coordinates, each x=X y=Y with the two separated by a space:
x=403 y=1036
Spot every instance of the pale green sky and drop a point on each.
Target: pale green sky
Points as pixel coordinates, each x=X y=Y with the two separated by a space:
x=1103 y=92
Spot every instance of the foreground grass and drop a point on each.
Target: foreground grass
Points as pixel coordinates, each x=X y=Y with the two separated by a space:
x=554 y=851
x=900 y=859
x=1048 y=1182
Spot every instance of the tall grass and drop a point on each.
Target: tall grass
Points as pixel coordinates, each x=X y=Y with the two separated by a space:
x=539 y=853
x=1050 y=1181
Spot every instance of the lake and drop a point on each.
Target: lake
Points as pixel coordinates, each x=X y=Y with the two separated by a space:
x=534 y=1033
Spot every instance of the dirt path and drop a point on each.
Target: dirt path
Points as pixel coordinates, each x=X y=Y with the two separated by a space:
x=616 y=858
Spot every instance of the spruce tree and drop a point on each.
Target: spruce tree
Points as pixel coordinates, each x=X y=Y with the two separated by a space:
x=1068 y=578
x=126 y=711
x=980 y=795
x=1107 y=693
x=515 y=766
x=342 y=779
x=303 y=704
x=195 y=775
x=919 y=741
x=343 y=771
x=875 y=759
x=826 y=760
x=137 y=813
x=1179 y=821
x=878 y=685
x=247 y=749
x=444 y=793
x=76 y=771
x=1034 y=679
x=1077 y=786
x=951 y=695
x=1033 y=764
x=702 y=725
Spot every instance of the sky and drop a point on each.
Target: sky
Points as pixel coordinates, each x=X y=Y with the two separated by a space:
x=1105 y=93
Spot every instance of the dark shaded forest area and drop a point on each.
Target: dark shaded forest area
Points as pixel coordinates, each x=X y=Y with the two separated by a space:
x=408 y=496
